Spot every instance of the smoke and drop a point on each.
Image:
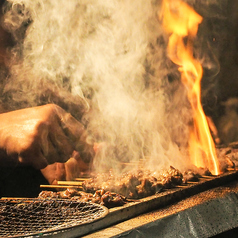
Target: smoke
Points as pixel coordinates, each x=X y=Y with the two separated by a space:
x=211 y=47
x=106 y=58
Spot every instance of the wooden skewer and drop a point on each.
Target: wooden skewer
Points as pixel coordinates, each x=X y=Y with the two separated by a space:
x=69 y=183
x=231 y=169
x=17 y=198
x=191 y=182
x=81 y=179
x=180 y=186
x=207 y=177
x=59 y=186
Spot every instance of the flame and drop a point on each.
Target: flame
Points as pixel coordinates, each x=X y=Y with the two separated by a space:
x=181 y=22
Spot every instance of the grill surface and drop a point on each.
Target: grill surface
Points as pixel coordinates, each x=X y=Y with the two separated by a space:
x=27 y=217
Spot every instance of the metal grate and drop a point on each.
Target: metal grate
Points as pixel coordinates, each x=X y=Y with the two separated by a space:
x=27 y=217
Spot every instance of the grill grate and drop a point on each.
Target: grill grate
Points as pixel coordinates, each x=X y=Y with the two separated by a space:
x=27 y=217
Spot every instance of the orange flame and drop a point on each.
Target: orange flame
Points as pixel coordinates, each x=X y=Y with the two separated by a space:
x=181 y=22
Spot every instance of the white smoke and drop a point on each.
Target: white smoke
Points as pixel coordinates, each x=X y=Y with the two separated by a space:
x=108 y=57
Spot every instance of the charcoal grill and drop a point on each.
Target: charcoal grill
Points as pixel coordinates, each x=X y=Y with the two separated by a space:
x=167 y=197
x=71 y=218
x=44 y=217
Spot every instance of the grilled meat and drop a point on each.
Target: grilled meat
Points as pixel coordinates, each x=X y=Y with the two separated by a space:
x=135 y=184
x=106 y=198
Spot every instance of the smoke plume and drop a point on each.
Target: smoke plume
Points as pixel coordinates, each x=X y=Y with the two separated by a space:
x=105 y=62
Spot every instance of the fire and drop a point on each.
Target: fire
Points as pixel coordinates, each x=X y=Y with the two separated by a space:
x=181 y=22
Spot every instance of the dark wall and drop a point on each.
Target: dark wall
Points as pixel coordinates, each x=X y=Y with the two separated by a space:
x=228 y=79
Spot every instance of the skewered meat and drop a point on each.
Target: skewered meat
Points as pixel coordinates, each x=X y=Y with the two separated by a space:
x=102 y=197
x=135 y=184
x=190 y=176
x=111 y=190
x=48 y=194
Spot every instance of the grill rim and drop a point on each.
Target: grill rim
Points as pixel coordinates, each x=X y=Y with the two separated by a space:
x=56 y=229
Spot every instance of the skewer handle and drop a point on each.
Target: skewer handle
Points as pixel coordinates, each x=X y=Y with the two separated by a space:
x=59 y=186
x=69 y=183
x=81 y=179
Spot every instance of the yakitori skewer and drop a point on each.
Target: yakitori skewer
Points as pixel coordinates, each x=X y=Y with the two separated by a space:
x=81 y=179
x=70 y=183
x=59 y=186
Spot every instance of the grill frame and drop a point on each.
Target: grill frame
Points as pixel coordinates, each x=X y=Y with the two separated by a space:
x=44 y=217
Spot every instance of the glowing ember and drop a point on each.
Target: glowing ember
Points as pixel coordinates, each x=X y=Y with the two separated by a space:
x=181 y=22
